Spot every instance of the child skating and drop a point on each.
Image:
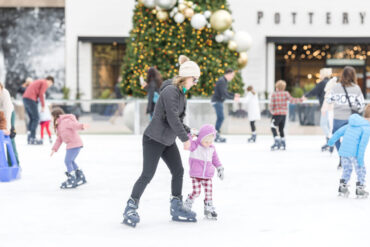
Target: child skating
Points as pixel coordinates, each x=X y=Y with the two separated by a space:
x=254 y=112
x=279 y=108
x=352 y=150
x=66 y=127
x=203 y=160
x=45 y=119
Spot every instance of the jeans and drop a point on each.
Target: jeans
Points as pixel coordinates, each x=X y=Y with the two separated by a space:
x=33 y=114
x=348 y=163
x=325 y=125
x=337 y=124
x=69 y=160
x=219 y=108
x=152 y=152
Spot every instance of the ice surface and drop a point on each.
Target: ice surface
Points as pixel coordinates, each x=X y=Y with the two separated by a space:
x=266 y=199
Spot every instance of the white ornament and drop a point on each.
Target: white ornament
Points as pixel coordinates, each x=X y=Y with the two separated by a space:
x=243 y=41
x=166 y=4
x=219 y=38
x=149 y=3
x=179 y=18
x=209 y=25
x=228 y=34
x=198 y=21
x=207 y=14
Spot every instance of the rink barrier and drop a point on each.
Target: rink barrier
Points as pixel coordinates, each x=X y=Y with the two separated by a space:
x=8 y=173
x=138 y=102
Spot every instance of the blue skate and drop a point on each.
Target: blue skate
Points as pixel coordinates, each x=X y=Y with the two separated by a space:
x=180 y=213
x=130 y=216
x=80 y=178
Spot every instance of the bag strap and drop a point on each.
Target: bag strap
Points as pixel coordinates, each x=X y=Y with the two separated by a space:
x=349 y=102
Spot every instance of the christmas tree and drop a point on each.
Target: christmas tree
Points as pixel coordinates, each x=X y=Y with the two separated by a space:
x=160 y=35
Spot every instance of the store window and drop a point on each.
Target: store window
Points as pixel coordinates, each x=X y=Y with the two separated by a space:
x=300 y=64
x=107 y=61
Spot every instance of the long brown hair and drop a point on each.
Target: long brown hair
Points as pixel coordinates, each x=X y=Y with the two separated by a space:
x=56 y=114
x=154 y=75
x=348 y=76
x=250 y=89
x=179 y=81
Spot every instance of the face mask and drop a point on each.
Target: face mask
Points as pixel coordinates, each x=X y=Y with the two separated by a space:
x=184 y=89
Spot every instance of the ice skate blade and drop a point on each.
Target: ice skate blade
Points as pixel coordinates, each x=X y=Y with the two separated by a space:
x=183 y=219
x=129 y=223
x=206 y=217
x=67 y=187
x=79 y=184
x=361 y=197
x=343 y=195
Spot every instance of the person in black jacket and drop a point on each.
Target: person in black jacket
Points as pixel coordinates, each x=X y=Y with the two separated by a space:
x=319 y=92
x=154 y=80
x=159 y=141
x=219 y=96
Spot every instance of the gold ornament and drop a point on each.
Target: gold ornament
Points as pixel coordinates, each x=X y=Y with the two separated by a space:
x=154 y=11
x=221 y=20
x=189 y=3
x=242 y=60
x=188 y=12
x=141 y=1
x=162 y=15
x=232 y=45
x=182 y=7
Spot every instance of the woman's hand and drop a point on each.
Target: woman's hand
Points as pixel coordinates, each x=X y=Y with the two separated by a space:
x=52 y=152
x=187 y=145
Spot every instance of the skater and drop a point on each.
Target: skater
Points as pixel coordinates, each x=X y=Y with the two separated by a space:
x=278 y=108
x=159 y=141
x=203 y=160
x=35 y=91
x=254 y=112
x=327 y=115
x=45 y=118
x=219 y=96
x=66 y=127
x=3 y=122
x=339 y=95
x=319 y=92
x=352 y=150
x=154 y=82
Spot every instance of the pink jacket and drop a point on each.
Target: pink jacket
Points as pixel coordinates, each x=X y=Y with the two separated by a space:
x=203 y=160
x=67 y=132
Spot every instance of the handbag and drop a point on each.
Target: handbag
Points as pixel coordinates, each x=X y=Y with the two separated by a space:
x=354 y=110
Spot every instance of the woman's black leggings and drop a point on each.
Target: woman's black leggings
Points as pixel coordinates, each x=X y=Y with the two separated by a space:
x=253 y=126
x=152 y=151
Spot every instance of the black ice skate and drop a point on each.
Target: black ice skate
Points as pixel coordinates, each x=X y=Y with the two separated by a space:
x=343 y=189
x=80 y=178
x=130 y=216
x=276 y=145
x=180 y=213
x=220 y=139
x=326 y=147
x=253 y=138
x=34 y=141
x=209 y=211
x=360 y=191
x=70 y=183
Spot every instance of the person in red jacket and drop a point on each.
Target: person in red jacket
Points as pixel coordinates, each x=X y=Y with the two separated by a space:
x=279 y=108
x=34 y=92
x=66 y=127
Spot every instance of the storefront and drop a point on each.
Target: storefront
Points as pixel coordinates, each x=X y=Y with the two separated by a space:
x=292 y=40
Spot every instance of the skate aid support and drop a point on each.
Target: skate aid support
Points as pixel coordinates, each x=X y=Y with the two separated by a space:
x=7 y=173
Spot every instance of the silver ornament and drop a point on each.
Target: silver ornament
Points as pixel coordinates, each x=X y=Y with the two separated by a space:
x=179 y=18
x=219 y=38
x=149 y=3
x=243 y=41
x=165 y=4
x=207 y=14
x=198 y=21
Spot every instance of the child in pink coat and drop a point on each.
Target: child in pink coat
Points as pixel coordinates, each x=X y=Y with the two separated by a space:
x=203 y=160
x=66 y=127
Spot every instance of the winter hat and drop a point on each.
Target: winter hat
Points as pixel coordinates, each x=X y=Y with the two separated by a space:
x=188 y=68
x=206 y=130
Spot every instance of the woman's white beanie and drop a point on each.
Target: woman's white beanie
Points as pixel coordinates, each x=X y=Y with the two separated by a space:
x=188 y=68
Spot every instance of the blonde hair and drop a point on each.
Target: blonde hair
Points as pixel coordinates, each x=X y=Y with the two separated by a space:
x=210 y=137
x=280 y=85
x=179 y=81
x=325 y=73
x=367 y=111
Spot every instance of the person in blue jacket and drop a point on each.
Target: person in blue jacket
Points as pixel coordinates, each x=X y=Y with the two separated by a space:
x=356 y=136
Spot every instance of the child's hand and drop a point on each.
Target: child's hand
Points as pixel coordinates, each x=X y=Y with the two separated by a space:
x=187 y=145
x=220 y=172
x=52 y=152
x=194 y=132
x=85 y=126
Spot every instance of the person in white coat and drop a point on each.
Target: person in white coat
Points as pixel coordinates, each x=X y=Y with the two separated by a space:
x=253 y=109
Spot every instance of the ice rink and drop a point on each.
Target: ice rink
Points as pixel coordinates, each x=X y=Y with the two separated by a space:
x=281 y=198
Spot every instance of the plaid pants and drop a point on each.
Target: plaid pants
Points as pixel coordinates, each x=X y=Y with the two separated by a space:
x=197 y=185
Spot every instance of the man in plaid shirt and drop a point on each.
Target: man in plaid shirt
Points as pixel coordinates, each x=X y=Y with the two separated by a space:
x=279 y=108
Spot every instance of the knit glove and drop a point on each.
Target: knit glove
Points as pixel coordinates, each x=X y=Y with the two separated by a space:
x=220 y=172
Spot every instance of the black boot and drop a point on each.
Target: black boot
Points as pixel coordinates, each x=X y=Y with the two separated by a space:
x=253 y=138
x=220 y=139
